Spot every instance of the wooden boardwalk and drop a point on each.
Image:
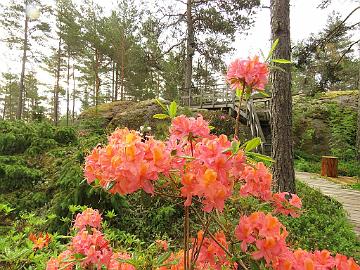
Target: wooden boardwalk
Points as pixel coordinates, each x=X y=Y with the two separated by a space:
x=349 y=198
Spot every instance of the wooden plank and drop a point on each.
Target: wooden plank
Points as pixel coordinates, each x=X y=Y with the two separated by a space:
x=350 y=199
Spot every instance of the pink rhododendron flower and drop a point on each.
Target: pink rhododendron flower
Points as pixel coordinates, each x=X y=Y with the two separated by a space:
x=257 y=182
x=162 y=244
x=344 y=263
x=127 y=163
x=93 y=246
x=250 y=72
x=286 y=206
x=182 y=127
x=89 y=217
x=117 y=265
x=65 y=261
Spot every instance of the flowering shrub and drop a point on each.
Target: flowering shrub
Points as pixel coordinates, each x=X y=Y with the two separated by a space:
x=199 y=169
x=89 y=249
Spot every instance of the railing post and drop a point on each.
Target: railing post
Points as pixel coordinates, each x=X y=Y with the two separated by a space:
x=189 y=96
x=213 y=100
x=201 y=97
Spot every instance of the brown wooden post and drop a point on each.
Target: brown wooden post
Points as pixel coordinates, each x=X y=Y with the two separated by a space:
x=329 y=166
x=213 y=98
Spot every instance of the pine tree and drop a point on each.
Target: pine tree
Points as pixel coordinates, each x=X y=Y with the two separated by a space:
x=10 y=92
x=281 y=105
x=210 y=29
x=24 y=37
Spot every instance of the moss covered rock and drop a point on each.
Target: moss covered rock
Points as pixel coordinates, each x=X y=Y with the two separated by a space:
x=136 y=114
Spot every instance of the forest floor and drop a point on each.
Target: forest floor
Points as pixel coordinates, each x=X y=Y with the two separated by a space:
x=349 y=198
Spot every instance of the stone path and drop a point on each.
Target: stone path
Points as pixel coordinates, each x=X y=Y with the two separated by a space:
x=349 y=198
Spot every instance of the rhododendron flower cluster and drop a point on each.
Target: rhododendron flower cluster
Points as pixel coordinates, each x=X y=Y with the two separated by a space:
x=127 y=163
x=286 y=206
x=182 y=127
x=202 y=162
x=89 y=248
x=211 y=174
x=89 y=217
x=250 y=72
x=40 y=241
x=258 y=181
x=268 y=237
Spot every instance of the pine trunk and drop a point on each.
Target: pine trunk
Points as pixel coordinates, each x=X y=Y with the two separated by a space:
x=358 y=122
x=116 y=81
x=73 y=94
x=10 y=103
x=281 y=107
x=122 y=67
x=4 y=110
x=68 y=90
x=57 y=87
x=22 y=77
x=189 y=49
x=113 y=82
x=97 y=78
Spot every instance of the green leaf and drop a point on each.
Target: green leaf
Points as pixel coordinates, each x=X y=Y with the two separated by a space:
x=252 y=144
x=172 y=109
x=163 y=258
x=262 y=54
x=281 y=61
x=235 y=147
x=238 y=92
x=264 y=94
x=260 y=157
x=186 y=157
x=161 y=105
x=273 y=47
x=110 y=185
x=79 y=256
x=211 y=127
x=160 y=116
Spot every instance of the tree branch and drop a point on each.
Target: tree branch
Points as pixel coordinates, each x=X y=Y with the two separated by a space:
x=346 y=52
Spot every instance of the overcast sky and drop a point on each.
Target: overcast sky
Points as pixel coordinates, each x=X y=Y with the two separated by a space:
x=305 y=18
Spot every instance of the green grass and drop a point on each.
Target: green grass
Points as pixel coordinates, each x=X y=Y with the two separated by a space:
x=356 y=186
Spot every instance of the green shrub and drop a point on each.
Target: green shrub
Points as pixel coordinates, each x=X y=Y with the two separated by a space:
x=356 y=186
x=15 y=137
x=18 y=176
x=40 y=145
x=65 y=135
x=349 y=168
x=45 y=130
x=307 y=166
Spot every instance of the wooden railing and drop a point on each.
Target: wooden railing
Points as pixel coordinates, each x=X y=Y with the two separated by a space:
x=209 y=96
x=222 y=97
x=254 y=124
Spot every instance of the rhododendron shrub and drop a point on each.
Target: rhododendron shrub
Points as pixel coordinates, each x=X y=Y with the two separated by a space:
x=200 y=169
x=89 y=248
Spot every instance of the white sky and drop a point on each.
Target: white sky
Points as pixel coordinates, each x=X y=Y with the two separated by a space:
x=305 y=18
